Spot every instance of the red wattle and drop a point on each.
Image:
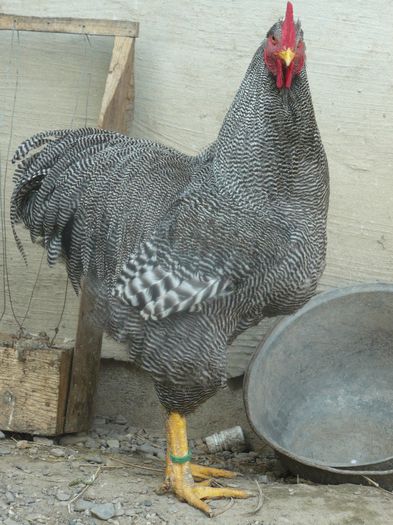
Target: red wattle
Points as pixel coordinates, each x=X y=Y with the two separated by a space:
x=289 y=75
x=280 y=78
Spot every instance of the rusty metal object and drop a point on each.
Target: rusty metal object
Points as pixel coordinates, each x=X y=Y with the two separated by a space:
x=229 y=439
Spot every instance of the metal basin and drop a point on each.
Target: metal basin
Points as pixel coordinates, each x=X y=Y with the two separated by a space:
x=319 y=389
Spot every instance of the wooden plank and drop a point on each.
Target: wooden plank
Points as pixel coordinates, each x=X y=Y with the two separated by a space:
x=118 y=99
x=85 y=369
x=88 y=26
x=33 y=389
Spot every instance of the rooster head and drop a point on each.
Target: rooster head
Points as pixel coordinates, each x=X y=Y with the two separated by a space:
x=284 y=51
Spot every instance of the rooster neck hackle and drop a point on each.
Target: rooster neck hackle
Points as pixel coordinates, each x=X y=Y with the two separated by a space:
x=267 y=138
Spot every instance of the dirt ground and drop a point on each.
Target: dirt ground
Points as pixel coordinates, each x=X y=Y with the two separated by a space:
x=111 y=476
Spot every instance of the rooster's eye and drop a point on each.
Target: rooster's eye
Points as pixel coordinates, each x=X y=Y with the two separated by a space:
x=274 y=40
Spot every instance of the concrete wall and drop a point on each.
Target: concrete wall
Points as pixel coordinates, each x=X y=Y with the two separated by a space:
x=127 y=391
x=190 y=59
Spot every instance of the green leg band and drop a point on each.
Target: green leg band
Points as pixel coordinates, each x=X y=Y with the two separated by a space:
x=180 y=459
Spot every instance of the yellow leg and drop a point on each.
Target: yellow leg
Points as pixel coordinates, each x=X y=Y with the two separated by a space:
x=179 y=470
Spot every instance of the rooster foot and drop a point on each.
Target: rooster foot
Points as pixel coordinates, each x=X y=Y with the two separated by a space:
x=198 y=472
x=194 y=493
x=180 y=472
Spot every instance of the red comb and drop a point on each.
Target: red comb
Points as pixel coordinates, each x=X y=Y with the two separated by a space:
x=288 y=31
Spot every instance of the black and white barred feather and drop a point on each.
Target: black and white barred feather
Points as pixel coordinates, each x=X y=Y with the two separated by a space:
x=184 y=253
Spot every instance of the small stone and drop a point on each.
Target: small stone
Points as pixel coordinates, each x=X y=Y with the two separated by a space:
x=22 y=444
x=57 y=452
x=95 y=459
x=81 y=505
x=10 y=521
x=103 y=511
x=2 y=435
x=91 y=443
x=113 y=443
x=103 y=430
x=4 y=451
x=10 y=498
x=149 y=450
x=62 y=496
x=119 y=509
x=263 y=479
x=73 y=439
x=99 y=421
x=43 y=440
x=120 y=420
x=242 y=456
x=126 y=437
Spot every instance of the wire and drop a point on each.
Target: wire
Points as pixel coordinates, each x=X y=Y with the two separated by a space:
x=61 y=314
x=7 y=292
x=7 y=74
x=33 y=289
x=4 y=230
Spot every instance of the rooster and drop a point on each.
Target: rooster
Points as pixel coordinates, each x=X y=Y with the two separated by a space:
x=183 y=253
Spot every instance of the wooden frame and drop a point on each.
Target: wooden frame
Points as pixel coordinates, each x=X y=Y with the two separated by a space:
x=88 y=26
x=116 y=110
x=118 y=99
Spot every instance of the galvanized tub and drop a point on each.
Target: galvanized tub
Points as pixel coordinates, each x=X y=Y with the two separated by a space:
x=319 y=389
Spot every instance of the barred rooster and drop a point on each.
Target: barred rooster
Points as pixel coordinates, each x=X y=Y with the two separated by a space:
x=184 y=253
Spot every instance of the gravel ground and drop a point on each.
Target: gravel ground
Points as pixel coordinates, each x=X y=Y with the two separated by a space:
x=111 y=475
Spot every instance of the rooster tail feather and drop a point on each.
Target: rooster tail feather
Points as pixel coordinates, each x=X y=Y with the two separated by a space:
x=48 y=184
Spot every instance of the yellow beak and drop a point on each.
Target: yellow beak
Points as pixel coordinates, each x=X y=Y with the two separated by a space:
x=287 y=55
